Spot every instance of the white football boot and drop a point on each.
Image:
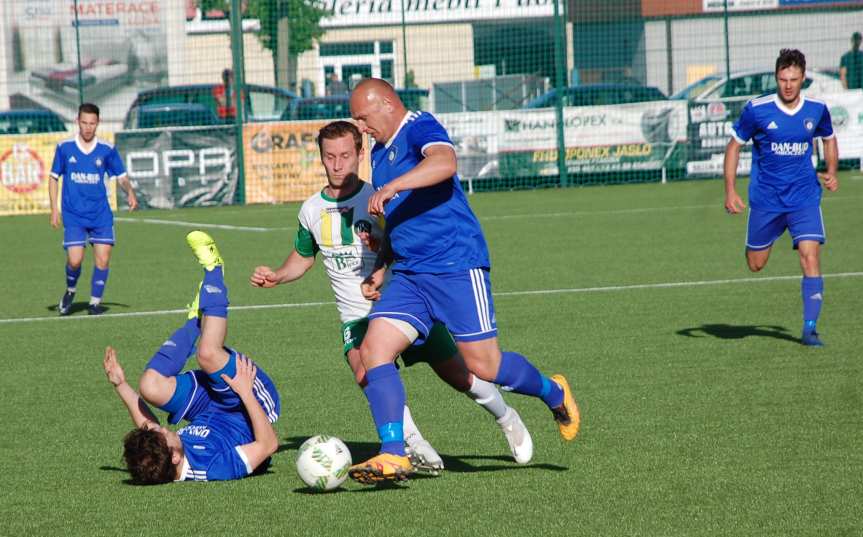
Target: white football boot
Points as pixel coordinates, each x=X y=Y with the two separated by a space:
x=517 y=436
x=422 y=455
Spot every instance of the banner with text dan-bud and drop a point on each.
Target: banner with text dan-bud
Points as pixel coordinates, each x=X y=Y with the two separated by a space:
x=180 y=167
x=599 y=139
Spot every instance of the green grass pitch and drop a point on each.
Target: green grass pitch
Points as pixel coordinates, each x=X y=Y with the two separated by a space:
x=701 y=414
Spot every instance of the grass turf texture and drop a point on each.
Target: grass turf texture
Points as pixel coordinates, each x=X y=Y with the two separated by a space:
x=701 y=413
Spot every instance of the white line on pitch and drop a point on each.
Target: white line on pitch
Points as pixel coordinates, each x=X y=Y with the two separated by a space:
x=501 y=294
x=198 y=224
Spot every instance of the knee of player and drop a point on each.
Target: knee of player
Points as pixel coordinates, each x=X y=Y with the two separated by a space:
x=209 y=353
x=152 y=386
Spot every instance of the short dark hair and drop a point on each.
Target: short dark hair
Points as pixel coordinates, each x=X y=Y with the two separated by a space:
x=340 y=128
x=790 y=57
x=148 y=457
x=88 y=108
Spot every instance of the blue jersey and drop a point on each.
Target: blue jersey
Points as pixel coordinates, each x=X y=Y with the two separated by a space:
x=432 y=229
x=211 y=443
x=783 y=178
x=85 y=198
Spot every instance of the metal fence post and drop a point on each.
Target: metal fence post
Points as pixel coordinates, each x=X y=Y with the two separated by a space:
x=560 y=85
x=239 y=93
x=78 y=50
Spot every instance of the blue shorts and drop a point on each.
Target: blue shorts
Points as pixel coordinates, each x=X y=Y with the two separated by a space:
x=203 y=397
x=764 y=227
x=462 y=301
x=79 y=235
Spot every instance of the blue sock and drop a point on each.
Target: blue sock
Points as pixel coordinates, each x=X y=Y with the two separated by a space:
x=386 y=395
x=229 y=369
x=72 y=276
x=812 y=290
x=97 y=283
x=214 y=294
x=172 y=355
x=520 y=376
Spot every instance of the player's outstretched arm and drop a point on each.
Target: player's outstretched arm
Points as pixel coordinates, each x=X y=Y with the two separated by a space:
x=266 y=442
x=439 y=165
x=733 y=203
x=52 y=199
x=138 y=410
x=126 y=185
x=831 y=157
x=294 y=267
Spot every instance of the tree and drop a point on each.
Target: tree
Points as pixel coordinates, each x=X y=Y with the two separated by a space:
x=303 y=20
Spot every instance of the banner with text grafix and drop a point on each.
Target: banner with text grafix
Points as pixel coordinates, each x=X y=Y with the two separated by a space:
x=180 y=167
x=25 y=165
x=282 y=161
x=599 y=139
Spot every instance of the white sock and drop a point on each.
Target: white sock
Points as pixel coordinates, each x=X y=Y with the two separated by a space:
x=487 y=395
x=95 y=301
x=71 y=289
x=410 y=428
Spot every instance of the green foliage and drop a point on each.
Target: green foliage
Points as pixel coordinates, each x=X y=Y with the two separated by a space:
x=303 y=22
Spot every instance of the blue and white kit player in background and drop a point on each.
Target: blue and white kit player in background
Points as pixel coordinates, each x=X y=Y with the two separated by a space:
x=230 y=403
x=84 y=162
x=784 y=192
x=440 y=274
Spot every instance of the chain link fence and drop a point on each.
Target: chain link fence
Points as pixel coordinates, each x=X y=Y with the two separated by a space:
x=219 y=101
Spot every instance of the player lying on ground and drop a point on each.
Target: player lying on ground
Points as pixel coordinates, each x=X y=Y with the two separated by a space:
x=784 y=192
x=440 y=275
x=335 y=223
x=229 y=402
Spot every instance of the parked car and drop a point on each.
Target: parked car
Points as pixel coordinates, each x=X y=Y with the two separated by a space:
x=153 y=116
x=695 y=89
x=262 y=103
x=30 y=121
x=338 y=106
x=599 y=94
x=749 y=84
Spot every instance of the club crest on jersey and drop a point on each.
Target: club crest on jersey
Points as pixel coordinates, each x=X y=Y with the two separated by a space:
x=809 y=123
x=391 y=156
x=98 y=162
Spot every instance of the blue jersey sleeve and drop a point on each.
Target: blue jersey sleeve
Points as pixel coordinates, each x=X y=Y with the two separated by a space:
x=824 y=129
x=228 y=465
x=425 y=132
x=745 y=127
x=58 y=167
x=114 y=164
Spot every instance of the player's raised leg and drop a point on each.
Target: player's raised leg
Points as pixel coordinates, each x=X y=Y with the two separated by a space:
x=386 y=395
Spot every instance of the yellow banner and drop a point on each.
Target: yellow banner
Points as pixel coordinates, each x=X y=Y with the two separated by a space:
x=25 y=167
x=282 y=162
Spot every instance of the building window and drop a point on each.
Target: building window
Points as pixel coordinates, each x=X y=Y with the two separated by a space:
x=347 y=49
x=341 y=65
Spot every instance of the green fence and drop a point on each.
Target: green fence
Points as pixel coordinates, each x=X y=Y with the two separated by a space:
x=213 y=101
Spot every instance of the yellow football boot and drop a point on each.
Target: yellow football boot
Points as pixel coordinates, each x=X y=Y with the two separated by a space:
x=566 y=415
x=382 y=467
x=204 y=248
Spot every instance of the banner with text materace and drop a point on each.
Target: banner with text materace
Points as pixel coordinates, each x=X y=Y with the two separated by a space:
x=599 y=139
x=180 y=167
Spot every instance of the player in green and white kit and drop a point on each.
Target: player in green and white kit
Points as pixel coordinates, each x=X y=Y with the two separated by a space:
x=335 y=223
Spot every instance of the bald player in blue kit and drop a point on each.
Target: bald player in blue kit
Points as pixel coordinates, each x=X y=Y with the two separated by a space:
x=440 y=273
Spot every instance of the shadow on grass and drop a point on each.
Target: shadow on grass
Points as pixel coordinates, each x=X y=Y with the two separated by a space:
x=82 y=306
x=728 y=331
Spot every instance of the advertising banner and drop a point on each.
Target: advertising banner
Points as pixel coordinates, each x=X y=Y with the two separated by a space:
x=710 y=127
x=282 y=161
x=180 y=167
x=739 y=5
x=846 y=112
x=122 y=51
x=475 y=137
x=25 y=167
x=345 y=13
x=599 y=139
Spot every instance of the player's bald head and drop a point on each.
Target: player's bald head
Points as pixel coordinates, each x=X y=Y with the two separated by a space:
x=377 y=108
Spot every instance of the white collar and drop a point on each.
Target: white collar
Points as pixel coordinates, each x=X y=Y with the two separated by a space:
x=79 y=142
x=402 y=124
x=789 y=111
x=184 y=469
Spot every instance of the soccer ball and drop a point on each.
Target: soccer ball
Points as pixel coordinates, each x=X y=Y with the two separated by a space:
x=323 y=462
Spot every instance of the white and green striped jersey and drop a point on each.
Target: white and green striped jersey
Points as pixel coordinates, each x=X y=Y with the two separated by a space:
x=334 y=228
